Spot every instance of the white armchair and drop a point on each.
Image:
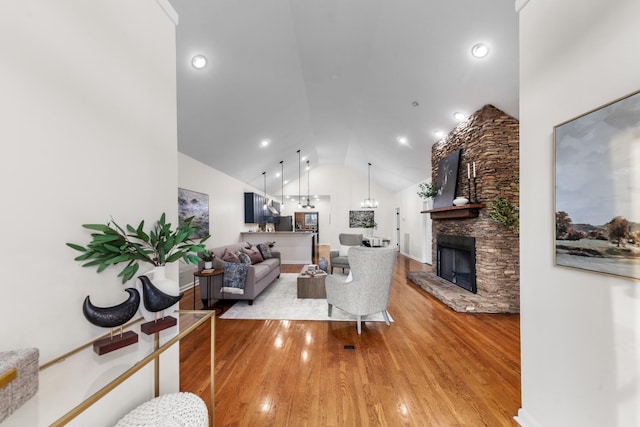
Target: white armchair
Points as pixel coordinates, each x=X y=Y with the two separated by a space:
x=368 y=292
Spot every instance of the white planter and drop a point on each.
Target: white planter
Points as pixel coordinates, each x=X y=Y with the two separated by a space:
x=208 y=264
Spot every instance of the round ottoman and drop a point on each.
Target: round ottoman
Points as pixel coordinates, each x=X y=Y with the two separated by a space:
x=169 y=410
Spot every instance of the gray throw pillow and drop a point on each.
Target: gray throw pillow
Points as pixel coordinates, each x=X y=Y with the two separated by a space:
x=265 y=250
x=244 y=258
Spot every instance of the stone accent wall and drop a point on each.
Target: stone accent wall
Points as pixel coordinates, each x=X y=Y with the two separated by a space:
x=490 y=138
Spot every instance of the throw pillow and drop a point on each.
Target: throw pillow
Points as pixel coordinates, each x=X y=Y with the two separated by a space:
x=344 y=250
x=265 y=250
x=229 y=256
x=235 y=276
x=244 y=258
x=254 y=254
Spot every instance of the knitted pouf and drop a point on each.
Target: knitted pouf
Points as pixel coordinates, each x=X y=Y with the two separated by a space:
x=169 y=410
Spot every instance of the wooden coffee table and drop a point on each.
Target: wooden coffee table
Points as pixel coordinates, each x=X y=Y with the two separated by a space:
x=311 y=286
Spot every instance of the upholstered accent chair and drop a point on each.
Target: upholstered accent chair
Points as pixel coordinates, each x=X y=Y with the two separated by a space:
x=368 y=292
x=339 y=259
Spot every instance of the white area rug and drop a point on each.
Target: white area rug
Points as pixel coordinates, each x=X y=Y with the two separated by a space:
x=279 y=302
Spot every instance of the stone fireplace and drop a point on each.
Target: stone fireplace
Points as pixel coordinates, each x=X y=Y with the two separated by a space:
x=467 y=236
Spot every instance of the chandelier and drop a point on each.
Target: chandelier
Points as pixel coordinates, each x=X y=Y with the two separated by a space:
x=308 y=205
x=299 y=198
x=369 y=203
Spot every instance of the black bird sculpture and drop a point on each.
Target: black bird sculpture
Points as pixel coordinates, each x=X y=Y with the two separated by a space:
x=112 y=317
x=154 y=299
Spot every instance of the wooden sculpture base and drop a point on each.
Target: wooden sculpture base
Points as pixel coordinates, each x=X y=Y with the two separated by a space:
x=158 y=325
x=107 y=345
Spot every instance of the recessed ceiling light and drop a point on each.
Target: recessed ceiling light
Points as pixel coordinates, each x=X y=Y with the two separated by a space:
x=265 y=142
x=459 y=116
x=415 y=103
x=438 y=133
x=402 y=140
x=199 y=61
x=480 y=50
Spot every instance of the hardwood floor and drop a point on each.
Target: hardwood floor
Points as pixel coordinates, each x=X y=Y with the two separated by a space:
x=431 y=367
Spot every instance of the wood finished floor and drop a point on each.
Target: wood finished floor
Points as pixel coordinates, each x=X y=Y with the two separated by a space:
x=432 y=367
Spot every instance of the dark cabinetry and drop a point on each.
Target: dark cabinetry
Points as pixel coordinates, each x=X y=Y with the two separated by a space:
x=255 y=211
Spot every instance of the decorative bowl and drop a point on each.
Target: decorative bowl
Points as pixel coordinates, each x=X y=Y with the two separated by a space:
x=460 y=201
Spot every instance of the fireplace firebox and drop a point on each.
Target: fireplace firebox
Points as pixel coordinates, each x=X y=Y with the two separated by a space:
x=456 y=260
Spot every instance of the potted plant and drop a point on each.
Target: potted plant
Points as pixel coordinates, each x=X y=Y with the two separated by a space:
x=111 y=245
x=427 y=190
x=369 y=225
x=207 y=257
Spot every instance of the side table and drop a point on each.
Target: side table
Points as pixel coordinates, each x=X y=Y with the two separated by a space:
x=212 y=276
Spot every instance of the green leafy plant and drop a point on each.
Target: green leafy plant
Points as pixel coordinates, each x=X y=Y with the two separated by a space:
x=206 y=256
x=427 y=190
x=370 y=223
x=505 y=213
x=111 y=245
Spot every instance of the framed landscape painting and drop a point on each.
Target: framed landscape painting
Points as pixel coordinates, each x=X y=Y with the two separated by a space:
x=196 y=205
x=597 y=190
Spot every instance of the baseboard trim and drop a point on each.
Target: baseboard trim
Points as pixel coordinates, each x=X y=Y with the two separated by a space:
x=524 y=419
x=421 y=261
x=187 y=286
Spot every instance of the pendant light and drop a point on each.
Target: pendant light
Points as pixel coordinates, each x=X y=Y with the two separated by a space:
x=369 y=203
x=308 y=205
x=264 y=175
x=299 y=201
x=282 y=180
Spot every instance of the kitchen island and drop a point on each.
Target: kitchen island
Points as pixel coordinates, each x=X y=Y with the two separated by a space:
x=295 y=247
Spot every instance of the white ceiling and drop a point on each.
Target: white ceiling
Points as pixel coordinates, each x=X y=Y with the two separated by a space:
x=337 y=79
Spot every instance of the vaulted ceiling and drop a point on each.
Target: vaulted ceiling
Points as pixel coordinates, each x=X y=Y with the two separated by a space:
x=339 y=80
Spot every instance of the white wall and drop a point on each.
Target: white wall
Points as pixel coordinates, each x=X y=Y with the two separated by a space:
x=580 y=331
x=226 y=199
x=415 y=224
x=88 y=132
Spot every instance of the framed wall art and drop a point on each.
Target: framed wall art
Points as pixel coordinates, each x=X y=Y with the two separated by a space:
x=597 y=190
x=357 y=219
x=446 y=181
x=196 y=205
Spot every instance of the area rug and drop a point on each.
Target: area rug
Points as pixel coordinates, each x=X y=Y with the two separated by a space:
x=279 y=302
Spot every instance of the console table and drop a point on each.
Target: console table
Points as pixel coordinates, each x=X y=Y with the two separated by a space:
x=71 y=369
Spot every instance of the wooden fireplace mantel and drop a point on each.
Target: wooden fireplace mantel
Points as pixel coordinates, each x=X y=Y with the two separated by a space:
x=455 y=212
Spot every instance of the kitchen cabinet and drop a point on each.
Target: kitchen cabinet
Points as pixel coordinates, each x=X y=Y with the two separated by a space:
x=254 y=212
